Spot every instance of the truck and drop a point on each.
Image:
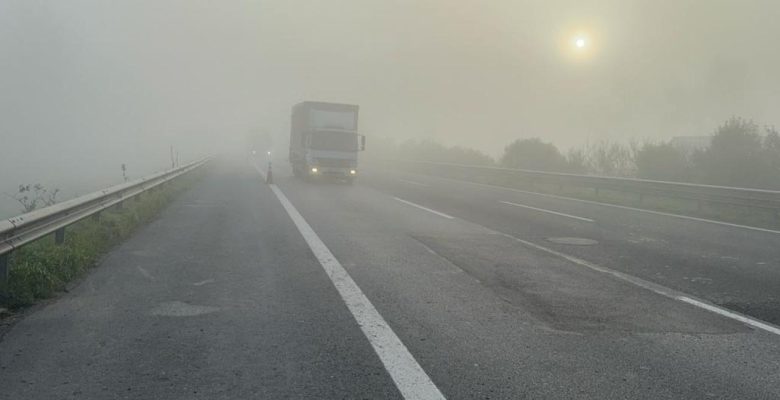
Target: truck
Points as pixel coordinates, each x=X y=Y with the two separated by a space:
x=324 y=141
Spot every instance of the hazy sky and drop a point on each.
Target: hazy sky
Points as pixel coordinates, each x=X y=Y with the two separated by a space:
x=96 y=83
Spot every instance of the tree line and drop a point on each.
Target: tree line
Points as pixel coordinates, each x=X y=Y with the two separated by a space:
x=740 y=153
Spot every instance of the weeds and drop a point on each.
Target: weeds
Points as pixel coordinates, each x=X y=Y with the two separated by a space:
x=43 y=268
x=31 y=197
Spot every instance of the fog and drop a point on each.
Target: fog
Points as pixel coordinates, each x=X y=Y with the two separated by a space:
x=88 y=85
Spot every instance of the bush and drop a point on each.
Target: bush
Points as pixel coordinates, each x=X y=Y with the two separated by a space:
x=739 y=155
x=577 y=161
x=428 y=150
x=736 y=157
x=662 y=162
x=612 y=158
x=533 y=154
x=772 y=149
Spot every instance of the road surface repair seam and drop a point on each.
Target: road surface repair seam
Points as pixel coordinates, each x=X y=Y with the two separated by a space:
x=655 y=288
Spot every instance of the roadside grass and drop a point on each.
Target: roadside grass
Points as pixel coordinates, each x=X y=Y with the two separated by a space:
x=751 y=216
x=41 y=269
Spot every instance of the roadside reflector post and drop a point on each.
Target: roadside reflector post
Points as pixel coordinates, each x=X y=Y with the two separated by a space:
x=59 y=236
x=269 y=177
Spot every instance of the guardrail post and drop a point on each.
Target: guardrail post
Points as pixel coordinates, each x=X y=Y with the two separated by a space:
x=641 y=197
x=3 y=275
x=59 y=236
x=96 y=216
x=120 y=205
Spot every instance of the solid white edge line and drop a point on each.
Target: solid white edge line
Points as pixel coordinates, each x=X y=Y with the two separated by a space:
x=441 y=214
x=642 y=210
x=653 y=287
x=548 y=211
x=409 y=377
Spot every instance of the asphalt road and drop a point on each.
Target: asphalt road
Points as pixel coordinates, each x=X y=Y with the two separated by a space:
x=227 y=296
x=733 y=267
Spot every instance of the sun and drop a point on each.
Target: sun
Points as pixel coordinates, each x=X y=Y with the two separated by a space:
x=580 y=42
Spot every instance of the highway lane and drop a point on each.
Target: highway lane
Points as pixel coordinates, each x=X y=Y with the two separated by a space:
x=488 y=318
x=729 y=266
x=221 y=297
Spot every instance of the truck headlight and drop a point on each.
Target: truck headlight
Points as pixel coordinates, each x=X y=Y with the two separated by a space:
x=352 y=172
x=314 y=170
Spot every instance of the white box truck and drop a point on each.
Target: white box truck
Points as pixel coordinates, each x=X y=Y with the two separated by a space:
x=324 y=142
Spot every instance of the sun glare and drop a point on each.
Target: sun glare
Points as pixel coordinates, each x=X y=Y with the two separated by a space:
x=579 y=45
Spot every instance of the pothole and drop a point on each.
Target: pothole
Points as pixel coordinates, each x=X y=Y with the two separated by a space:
x=181 y=309
x=574 y=241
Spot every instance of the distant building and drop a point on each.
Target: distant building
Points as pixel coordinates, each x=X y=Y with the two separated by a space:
x=690 y=144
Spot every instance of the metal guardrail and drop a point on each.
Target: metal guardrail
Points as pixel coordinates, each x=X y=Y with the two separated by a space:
x=20 y=230
x=768 y=199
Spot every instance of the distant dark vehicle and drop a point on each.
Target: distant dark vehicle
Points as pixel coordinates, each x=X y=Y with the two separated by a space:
x=324 y=141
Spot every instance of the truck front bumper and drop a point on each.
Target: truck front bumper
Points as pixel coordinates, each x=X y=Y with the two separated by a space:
x=333 y=172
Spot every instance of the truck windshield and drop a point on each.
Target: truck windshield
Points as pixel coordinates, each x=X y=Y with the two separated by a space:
x=335 y=141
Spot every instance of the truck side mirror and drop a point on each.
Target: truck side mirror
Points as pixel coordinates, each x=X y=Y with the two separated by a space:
x=362 y=142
